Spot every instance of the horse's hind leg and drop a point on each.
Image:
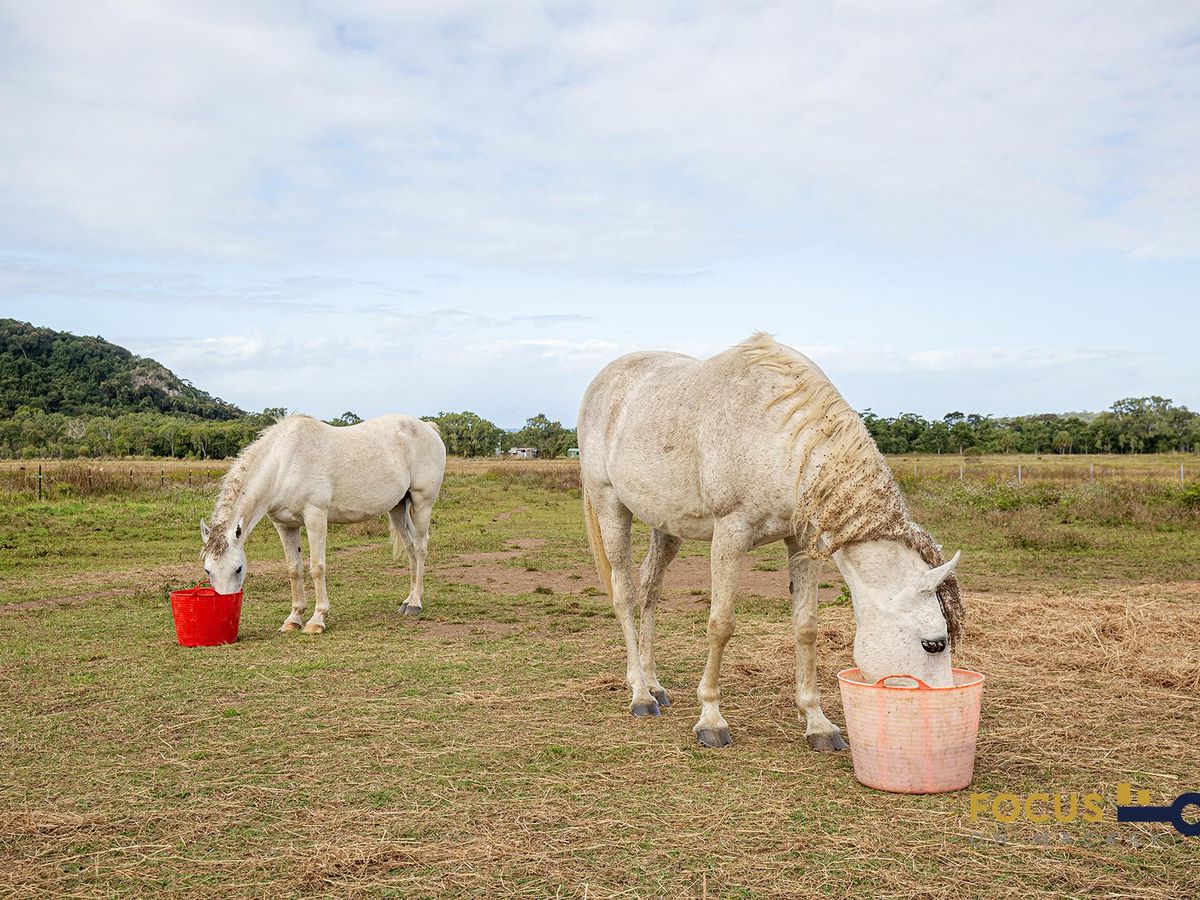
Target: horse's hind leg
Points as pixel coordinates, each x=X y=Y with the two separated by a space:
x=663 y=548
x=410 y=519
x=316 y=523
x=616 y=523
x=295 y=568
x=805 y=574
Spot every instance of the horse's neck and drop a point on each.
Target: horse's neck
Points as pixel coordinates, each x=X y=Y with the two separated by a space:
x=252 y=494
x=876 y=570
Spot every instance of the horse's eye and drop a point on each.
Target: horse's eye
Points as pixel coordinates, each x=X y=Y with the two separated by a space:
x=934 y=646
x=239 y=571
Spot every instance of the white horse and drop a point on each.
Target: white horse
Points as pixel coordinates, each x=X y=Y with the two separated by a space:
x=302 y=472
x=752 y=446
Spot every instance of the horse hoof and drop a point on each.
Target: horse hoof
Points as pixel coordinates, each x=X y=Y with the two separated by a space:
x=714 y=737
x=289 y=626
x=408 y=609
x=314 y=628
x=833 y=741
x=661 y=696
x=644 y=708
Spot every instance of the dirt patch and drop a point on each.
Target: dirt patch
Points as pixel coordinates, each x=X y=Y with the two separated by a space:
x=508 y=514
x=143 y=580
x=684 y=579
x=495 y=577
x=517 y=547
x=464 y=631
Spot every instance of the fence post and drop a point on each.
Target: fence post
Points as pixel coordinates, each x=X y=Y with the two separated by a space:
x=39 y=482
x=960 y=472
x=1181 y=473
x=1018 y=474
x=1092 y=471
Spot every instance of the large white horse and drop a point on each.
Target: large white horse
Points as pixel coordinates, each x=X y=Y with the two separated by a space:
x=302 y=472
x=752 y=446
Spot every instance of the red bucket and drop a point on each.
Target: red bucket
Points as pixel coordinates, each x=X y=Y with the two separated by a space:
x=204 y=618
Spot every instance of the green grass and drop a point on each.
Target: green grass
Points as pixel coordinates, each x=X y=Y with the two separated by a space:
x=487 y=750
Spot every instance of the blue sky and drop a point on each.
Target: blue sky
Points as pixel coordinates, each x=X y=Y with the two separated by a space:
x=375 y=206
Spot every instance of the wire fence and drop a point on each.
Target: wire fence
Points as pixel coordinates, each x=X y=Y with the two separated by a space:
x=55 y=480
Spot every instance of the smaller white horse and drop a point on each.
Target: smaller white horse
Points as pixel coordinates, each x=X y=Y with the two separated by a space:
x=302 y=472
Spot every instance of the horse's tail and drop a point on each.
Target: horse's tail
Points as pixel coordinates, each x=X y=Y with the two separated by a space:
x=399 y=545
x=596 y=542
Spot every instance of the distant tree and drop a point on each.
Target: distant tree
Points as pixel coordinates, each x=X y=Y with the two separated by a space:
x=270 y=415
x=467 y=434
x=346 y=418
x=550 y=438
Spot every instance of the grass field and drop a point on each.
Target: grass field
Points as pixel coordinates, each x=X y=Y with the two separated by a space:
x=487 y=750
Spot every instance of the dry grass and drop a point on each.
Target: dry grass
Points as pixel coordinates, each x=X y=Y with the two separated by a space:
x=487 y=751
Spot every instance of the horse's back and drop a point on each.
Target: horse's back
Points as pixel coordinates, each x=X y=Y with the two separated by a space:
x=682 y=441
x=360 y=470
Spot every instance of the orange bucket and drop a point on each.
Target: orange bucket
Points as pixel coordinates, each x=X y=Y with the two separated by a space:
x=204 y=618
x=910 y=738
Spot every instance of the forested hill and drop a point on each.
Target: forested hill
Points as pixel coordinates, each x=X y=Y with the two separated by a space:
x=59 y=372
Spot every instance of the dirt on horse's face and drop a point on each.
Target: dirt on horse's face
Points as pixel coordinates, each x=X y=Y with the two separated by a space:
x=224 y=556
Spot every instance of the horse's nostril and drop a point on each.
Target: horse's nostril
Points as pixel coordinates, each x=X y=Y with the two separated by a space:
x=934 y=646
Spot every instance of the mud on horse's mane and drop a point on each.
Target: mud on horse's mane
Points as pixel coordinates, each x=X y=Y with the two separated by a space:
x=851 y=495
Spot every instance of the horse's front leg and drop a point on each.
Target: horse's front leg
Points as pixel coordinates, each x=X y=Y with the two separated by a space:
x=295 y=568
x=805 y=574
x=729 y=544
x=316 y=523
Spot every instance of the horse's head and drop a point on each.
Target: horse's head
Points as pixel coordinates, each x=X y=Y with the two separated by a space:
x=901 y=629
x=224 y=555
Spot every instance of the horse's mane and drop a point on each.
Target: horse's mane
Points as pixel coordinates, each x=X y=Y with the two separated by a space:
x=233 y=483
x=851 y=495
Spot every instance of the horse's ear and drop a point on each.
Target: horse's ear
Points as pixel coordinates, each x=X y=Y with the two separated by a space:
x=928 y=581
x=934 y=577
x=237 y=532
x=204 y=531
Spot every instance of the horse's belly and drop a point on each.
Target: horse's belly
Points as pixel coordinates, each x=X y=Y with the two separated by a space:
x=678 y=522
x=350 y=515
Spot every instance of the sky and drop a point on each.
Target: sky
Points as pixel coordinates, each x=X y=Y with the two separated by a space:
x=388 y=206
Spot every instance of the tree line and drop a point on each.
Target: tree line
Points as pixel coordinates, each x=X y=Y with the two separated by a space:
x=1133 y=425
x=34 y=433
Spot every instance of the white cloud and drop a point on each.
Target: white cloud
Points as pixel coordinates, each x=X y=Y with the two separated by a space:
x=600 y=137
x=426 y=205
x=974 y=359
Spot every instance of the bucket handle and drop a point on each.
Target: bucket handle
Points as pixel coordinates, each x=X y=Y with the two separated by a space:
x=920 y=685
x=204 y=583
